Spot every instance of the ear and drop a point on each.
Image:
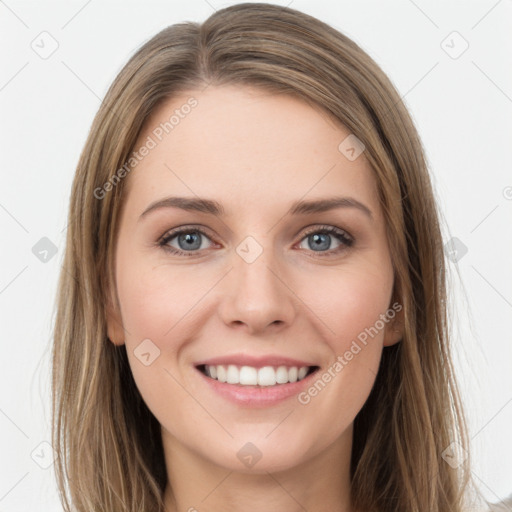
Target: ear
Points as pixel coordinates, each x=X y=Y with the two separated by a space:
x=394 y=330
x=115 y=329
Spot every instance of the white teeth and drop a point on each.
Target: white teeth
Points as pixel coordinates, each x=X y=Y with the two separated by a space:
x=266 y=376
x=233 y=375
x=302 y=373
x=250 y=376
x=282 y=375
x=221 y=373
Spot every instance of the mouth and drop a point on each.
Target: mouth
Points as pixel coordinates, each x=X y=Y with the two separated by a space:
x=250 y=376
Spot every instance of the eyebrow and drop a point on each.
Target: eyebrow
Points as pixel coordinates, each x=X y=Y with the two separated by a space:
x=212 y=207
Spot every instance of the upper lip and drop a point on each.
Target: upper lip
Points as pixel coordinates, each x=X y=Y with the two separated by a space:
x=254 y=361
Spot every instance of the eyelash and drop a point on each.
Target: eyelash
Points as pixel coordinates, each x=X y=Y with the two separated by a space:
x=346 y=240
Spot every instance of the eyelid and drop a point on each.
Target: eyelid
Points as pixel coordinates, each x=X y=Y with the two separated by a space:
x=325 y=227
x=186 y=227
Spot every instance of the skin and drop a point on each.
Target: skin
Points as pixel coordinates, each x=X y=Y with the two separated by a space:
x=255 y=153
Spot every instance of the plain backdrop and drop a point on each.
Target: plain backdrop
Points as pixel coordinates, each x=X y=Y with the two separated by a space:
x=450 y=61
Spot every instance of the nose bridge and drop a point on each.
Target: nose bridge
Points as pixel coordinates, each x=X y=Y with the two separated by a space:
x=257 y=297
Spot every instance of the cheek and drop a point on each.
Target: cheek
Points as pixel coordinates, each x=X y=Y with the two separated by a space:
x=154 y=309
x=350 y=302
x=154 y=299
x=165 y=305
x=351 y=307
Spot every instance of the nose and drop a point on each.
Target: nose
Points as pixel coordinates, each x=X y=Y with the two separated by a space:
x=256 y=297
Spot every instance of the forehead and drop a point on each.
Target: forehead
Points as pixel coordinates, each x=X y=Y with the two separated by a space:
x=245 y=145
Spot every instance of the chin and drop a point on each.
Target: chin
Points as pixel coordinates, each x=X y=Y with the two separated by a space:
x=255 y=454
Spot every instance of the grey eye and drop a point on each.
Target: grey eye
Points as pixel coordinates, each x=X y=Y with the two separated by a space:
x=189 y=241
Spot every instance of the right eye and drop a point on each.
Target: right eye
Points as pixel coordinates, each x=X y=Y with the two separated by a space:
x=189 y=241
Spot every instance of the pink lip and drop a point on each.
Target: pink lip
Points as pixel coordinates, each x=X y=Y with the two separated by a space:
x=254 y=361
x=257 y=396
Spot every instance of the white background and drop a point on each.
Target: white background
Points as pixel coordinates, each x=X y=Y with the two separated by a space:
x=463 y=110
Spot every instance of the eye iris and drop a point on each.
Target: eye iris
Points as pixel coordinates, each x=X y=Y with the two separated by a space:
x=189 y=239
x=320 y=241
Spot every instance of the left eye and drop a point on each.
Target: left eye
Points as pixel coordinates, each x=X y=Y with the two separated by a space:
x=319 y=240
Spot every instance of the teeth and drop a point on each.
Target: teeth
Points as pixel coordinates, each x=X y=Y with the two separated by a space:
x=219 y=370
x=250 y=376
x=247 y=376
x=302 y=373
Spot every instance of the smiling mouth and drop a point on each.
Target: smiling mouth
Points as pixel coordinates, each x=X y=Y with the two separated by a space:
x=258 y=377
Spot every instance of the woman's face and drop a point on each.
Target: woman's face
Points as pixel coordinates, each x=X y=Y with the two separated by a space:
x=263 y=279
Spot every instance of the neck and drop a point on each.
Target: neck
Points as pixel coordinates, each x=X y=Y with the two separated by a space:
x=318 y=484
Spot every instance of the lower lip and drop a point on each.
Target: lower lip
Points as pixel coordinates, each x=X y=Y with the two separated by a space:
x=257 y=396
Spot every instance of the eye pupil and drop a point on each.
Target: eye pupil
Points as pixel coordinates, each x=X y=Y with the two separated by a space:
x=320 y=241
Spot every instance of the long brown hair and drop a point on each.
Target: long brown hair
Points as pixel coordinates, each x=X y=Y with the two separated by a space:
x=110 y=455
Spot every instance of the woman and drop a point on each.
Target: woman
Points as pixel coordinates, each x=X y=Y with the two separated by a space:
x=252 y=309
